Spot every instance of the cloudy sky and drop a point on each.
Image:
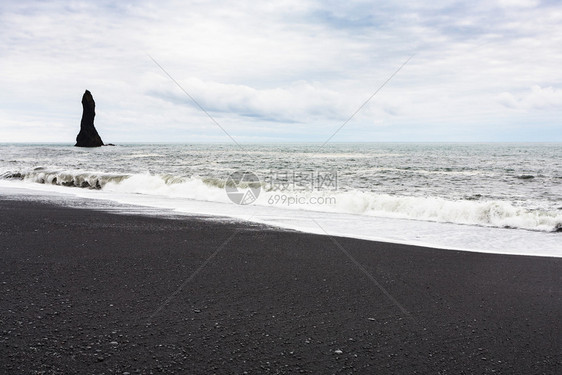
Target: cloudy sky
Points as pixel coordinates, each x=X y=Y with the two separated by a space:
x=282 y=71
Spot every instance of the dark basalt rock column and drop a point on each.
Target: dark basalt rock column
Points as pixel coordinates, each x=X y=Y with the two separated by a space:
x=88 y=136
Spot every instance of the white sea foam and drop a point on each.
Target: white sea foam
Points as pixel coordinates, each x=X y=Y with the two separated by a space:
x=150 y=155
x=169 y=186
x=486 y=213
x=75 y=178
x=494 y=213
x=421 y=233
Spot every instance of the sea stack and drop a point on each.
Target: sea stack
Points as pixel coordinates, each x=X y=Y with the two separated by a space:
x=88 y=136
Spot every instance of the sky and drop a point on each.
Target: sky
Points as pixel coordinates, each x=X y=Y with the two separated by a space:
x=283 y=71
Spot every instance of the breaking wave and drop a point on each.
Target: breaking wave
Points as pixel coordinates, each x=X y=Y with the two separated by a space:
x=80 y=179
x=470 y=211
x=492 y=213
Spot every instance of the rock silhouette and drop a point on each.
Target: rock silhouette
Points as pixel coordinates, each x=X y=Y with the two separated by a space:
x=88 y=135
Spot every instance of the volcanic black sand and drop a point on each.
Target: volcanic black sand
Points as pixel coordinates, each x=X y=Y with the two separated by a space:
x=86 y=291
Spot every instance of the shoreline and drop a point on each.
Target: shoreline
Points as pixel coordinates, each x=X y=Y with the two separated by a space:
x=410 y=232
x=91 y=291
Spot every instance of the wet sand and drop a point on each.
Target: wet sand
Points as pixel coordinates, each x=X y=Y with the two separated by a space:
x=86 y=291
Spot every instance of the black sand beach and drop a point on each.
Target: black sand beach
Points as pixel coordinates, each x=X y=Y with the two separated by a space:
x=85 y=291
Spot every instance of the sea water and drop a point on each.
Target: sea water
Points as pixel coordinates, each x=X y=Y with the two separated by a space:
x=493 y=197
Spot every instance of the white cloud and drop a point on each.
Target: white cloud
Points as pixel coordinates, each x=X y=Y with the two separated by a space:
x=277 y=70
x=537 y=98
x=518 y=3
x=299 y=102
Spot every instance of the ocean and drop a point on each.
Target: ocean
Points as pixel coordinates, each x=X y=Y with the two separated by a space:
x=490 y=197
